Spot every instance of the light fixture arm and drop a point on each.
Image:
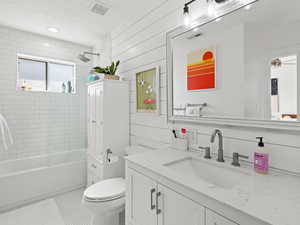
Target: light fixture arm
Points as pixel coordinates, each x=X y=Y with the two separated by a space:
x=186 y=11
x=91 y=53
x=190 y=2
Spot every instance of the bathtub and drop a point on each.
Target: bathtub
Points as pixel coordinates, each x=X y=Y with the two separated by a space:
x=23 y=181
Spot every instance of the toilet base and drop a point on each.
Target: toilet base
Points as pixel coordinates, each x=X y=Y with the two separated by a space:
x=115 y=218
x=105 y=220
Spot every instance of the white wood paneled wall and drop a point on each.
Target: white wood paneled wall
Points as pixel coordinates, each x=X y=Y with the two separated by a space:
x=143 y=43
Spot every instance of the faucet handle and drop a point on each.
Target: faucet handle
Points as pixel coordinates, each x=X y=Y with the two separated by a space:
x=108 y=152
x=207 y=152
x=236 y=158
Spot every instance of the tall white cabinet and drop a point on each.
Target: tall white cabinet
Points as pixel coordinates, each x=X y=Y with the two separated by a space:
x=108 y=127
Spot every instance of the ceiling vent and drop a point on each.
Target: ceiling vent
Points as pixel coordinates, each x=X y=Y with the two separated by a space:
x=99 y=8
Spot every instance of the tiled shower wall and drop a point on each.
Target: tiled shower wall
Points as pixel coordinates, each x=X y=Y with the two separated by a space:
x=141 y=44
x=41 y=123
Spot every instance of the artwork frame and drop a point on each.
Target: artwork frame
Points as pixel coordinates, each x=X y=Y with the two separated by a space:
x=213 y=84
x=147 y=102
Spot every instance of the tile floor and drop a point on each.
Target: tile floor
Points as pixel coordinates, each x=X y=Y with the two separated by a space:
x=65 y=209
x=71 y=209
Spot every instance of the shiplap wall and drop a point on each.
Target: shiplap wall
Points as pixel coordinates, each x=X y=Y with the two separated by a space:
x=142 y=43
x=41 y=123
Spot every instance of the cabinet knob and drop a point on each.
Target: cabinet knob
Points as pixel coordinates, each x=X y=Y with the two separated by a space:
x=94 y=166
x=93 y=121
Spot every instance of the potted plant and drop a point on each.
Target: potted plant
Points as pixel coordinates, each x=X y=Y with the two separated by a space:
x=109 y=71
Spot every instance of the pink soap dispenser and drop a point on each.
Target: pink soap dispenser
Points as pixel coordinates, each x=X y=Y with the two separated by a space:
x=261 y=158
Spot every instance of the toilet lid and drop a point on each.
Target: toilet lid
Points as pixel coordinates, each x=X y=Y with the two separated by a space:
x=106 y=190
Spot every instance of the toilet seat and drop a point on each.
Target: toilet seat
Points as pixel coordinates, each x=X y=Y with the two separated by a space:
x=106 y=190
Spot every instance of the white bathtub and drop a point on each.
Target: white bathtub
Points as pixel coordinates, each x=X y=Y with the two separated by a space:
x=26 y=180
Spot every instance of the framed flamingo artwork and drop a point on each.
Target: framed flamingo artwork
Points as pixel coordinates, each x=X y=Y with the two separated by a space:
x=201 y=69
x=147 y=90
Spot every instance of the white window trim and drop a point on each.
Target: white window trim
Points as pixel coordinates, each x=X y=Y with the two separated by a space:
x=47 y=60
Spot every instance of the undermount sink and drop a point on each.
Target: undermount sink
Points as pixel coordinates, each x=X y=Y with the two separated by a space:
x=210 y=172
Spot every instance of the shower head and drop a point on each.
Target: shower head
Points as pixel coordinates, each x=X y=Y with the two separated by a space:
x=85 y=59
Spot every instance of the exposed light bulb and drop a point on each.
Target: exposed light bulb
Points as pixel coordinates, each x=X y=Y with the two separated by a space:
x=248 y=7
x=218 y=19
x=53 y=29
x=211 y=10
x=187 y=20
x=186 y=16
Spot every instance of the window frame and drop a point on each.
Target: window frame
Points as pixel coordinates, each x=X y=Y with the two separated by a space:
x=47 y=61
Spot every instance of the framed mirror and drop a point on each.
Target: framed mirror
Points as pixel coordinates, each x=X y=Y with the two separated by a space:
x=239 y=67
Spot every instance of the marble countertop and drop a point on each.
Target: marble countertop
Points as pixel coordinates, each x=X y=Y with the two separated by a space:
x=273 y=198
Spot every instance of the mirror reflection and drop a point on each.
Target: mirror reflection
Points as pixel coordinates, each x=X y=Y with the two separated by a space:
x=243 y=65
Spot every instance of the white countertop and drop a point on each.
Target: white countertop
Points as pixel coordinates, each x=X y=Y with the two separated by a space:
x=273 y=198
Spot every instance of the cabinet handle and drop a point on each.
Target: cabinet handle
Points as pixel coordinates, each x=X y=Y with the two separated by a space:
x=152 y=191
x=94 y=166
x=158 y=211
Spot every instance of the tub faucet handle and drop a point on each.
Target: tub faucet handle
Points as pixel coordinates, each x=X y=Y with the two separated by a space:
x=108 y=152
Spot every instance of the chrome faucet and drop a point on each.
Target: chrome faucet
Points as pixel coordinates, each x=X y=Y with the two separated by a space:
x=220 y=150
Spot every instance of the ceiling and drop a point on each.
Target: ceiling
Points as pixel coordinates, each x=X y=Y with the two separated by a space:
x=73 y=18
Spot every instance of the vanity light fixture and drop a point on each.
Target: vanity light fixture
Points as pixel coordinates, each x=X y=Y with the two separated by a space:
x=248 y=7
x=53 y=29
x=218 y=19
x=196 y=29
x=186 y=14
x=211 y=10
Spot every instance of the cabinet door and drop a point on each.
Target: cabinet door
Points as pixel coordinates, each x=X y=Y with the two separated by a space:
x=99 y=121
x=140 y=199
x=175 y=209
x=215 y=219
x=91 y=121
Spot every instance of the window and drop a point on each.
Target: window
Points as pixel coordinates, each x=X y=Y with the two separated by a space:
x=46 y=75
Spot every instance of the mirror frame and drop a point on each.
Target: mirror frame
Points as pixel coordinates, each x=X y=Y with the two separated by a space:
x=216 y=121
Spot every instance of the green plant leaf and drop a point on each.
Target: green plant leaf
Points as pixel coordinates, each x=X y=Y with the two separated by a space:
x=111 y=68
x=116 y=67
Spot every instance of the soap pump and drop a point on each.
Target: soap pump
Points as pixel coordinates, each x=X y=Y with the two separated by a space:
x=261 y=157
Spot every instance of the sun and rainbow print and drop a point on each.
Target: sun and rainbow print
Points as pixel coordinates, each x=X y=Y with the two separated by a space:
x=201 y=69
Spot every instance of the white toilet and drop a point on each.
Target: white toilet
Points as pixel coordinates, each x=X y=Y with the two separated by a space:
x=106 y=199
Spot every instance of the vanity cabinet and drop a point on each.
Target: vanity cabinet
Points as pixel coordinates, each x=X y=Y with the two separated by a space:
x=149 y=203
x=215 y=219
x=140 y=199
x=177 y=209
